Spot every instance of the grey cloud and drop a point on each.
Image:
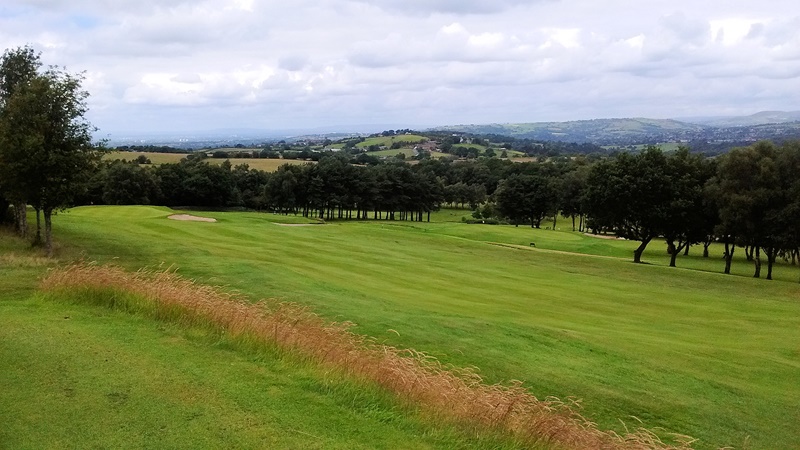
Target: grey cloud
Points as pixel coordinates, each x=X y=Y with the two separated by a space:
x=351 y=61
x=756 y=30
x=292 y=63
x=688 y=30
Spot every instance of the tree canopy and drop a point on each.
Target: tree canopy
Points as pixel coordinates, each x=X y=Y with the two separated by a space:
x=46 y=150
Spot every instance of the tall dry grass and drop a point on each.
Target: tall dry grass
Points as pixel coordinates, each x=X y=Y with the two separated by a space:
x=450 y=393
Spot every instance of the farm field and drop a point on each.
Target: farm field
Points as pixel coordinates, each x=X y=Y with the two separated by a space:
x=481 y=148
x=389 y=140
x=690 y=351
x=409 y=152
x=265 y=164
x=155 y=158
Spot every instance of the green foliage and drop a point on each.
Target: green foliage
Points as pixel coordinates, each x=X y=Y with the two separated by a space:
x=756 y=191
x=128 y=184
x=46 y=150
x=630 y=195
x=526 y=198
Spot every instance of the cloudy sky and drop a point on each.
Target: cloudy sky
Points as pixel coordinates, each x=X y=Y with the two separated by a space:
x=172 y=65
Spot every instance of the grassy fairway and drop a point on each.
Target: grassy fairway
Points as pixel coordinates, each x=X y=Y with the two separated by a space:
x=88 y=377
x=76 y=376
x=694 y=352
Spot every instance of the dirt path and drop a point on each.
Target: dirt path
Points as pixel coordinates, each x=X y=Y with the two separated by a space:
x=561 y=252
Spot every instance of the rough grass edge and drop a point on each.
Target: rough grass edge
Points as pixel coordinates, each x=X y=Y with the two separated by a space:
x=456 y=394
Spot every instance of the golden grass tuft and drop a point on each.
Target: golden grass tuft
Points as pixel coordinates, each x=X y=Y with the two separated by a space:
x=459 y=395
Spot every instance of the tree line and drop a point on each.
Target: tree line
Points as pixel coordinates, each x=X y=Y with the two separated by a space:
x=334 y=188
x=748 y=198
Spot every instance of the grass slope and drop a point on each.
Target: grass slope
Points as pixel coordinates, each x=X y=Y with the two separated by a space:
x=691 y=351
x=76 y=376
x=88 y=377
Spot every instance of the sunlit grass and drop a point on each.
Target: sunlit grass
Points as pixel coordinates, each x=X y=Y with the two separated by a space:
x=690 y=351
x=458 y=395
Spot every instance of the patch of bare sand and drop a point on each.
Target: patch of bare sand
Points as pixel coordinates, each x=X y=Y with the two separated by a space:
x=603 y=236
x=191 y=218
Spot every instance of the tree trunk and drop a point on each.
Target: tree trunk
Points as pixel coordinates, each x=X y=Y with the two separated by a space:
x=686 y=252
x=675 y=251
x=38 y=239
x=705 y=249
x=729 y=249
x=757 y=262
x=555 y=217
x=637 y=254
x=573 y=222
x=772 y=253
x=21 y=218
x=748 y=252
x=48 y=231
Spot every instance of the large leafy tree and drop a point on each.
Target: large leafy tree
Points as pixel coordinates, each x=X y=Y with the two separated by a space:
x=17 y=68
x=47 y=142
x=688 y=219
x=631 y=194
x=526 y=198
x=750 y=193
x=571 y=194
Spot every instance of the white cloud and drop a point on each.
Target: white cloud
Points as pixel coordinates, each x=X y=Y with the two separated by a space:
x=194 y=64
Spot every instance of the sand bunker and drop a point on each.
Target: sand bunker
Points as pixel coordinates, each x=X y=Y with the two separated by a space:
x=603 y=236
x=191 y=218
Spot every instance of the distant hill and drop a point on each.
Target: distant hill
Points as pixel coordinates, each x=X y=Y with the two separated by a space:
x=597 y=131
x=760 y=118
x=776 y=125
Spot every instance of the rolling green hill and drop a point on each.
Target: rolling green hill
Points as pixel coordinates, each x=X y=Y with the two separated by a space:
x=599 y=131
